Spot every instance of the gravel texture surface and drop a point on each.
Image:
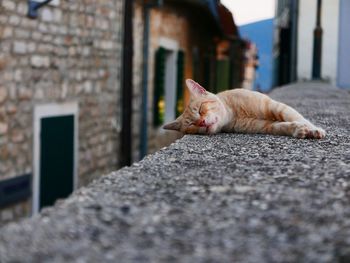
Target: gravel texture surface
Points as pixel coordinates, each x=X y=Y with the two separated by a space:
x=222 y=198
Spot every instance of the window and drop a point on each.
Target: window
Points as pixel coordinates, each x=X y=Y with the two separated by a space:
x=168 y=90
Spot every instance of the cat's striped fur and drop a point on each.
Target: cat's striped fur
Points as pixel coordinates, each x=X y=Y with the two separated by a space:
x=241 y=111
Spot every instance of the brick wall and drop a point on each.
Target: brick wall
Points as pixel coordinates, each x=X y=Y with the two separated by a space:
x=70 y=53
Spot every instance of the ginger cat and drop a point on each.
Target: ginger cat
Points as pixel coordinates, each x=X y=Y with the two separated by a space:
x=240 y=111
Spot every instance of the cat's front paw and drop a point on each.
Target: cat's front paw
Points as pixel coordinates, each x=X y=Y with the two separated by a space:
x=317 y=133
x=300 y=130
x=303 y=131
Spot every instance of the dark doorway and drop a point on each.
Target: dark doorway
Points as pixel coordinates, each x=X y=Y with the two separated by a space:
x=56 y=159
x=285 y=57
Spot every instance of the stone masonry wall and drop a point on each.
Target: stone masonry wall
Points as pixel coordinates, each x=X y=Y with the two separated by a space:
x=70 y=53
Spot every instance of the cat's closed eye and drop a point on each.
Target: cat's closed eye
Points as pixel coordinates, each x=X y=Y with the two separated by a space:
x=195 y=110
x=201 y=109
x=191 y=124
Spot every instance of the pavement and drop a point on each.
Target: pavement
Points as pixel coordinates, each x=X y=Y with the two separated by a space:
x=221 y=198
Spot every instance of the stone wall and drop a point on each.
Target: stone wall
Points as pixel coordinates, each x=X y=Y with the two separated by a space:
x=70 y=53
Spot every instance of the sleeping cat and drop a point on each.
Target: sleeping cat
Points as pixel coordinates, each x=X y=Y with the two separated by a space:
x=240 y=111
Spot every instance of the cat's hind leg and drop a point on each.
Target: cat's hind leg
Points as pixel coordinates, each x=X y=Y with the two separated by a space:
x=293 y=129
x=283 y=113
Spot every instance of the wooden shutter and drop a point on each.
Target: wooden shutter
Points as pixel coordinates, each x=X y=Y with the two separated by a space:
x=180 y=83
x=159 y=87
x=223 y=75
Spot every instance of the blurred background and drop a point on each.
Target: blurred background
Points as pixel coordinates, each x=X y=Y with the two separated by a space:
x=85 y=86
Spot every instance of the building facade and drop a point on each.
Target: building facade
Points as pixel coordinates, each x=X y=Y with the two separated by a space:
x=184 y=39
x=59 y=99
x=62 y=88
x=295 y=37
x=251 y=64
x=261 y=34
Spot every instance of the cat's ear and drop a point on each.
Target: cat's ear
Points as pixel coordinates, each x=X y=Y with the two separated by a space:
x=195 y=89
x=175 y=126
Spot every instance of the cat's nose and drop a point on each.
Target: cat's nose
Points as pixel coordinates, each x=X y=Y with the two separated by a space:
x=201 y=123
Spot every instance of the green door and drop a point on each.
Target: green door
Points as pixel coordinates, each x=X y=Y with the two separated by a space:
x=223 y=75
x=56 y=159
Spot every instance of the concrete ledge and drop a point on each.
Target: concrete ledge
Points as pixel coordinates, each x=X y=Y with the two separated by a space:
x=223 y=198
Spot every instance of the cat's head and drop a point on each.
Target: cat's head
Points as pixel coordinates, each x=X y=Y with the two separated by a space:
x=203 y=115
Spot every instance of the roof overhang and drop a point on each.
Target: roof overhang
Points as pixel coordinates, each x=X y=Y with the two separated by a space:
x=219 y=15
x=207 y=7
